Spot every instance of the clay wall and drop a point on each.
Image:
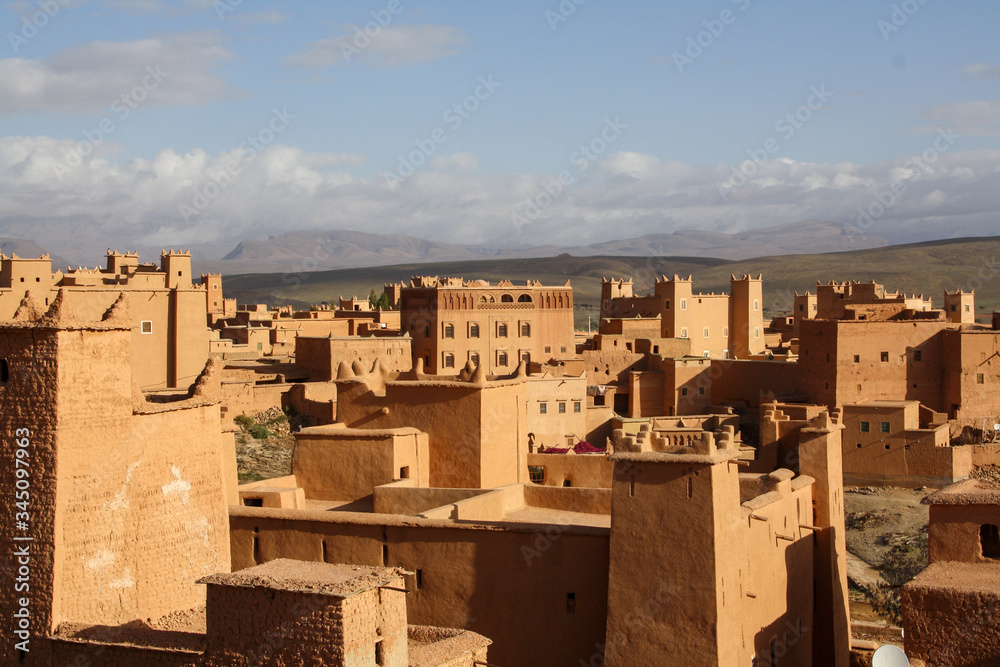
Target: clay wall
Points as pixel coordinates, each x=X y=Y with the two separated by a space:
x=609 y=367
x=629 y=328
x=174 y=348
x=586 y=470
x=778 y=568
x=972 y=377
x=912 y=370
x=477 y=435
x=21 y=273
x=467 y=574
x=320 y=357
x=949 y=614
x=104 y=468
x=681 y=595
x=28 y=421
x=953 y=533
x=666 y=347
x=336 y=463
x=577 y=499
x=564 y=422
x=309 y=628
x=687 y=386
x=403 y=497
x=442 y=321
x=746 y=317
x=740 y=382
x=646 y=393
x=902 y=455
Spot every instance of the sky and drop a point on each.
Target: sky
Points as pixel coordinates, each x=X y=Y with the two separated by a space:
x=165 y=123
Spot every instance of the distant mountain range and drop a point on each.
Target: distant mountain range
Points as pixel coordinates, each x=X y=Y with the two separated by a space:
x=30 y=249
x=928 y=267
x=297 y=251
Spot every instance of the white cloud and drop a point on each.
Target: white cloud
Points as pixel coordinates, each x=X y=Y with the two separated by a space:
x=976 y=117
x=981 y=71
x=391 y=46
x=90 y=77
x=138 y=202
x=461 y=161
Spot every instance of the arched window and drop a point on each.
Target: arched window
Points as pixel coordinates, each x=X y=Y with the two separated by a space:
x=473 y=330
x=449 y=331
x=502 y=359
x=525 y=329
x=501 y=330
x=507 y=298
x=524 y=298
x=449 y=360
x=482 y=299
x=474 y=358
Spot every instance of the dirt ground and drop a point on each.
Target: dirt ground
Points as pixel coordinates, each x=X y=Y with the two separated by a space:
x=887 y=534
x=264 y=445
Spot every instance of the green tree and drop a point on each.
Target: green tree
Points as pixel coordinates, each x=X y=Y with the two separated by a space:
x=378 y=301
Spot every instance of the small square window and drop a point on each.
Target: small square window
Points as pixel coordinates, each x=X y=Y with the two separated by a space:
x=562 y=408
x=883 y=427
x=884 y=357
x=918 y=355
x=536 y=474
x=146 y=326
x=548 y=349
x=865 y=427
x=543 y=408
x=701 y=391
x=857 y=358
x=684 y=391
x=684 y=333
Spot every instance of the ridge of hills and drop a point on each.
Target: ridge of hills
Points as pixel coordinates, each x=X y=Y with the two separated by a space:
x=343 y=249
x=929 y=267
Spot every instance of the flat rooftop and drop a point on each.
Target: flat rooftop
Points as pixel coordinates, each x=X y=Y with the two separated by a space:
x=967 y=492
x=544 y=515
x=298 y=576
